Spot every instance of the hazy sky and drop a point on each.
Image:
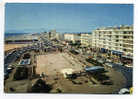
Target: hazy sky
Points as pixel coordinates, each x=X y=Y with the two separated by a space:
x=37 y=17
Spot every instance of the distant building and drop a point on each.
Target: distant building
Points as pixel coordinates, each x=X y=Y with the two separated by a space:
x=114 y=39
x=86 y=39
x=60 y=36
x=72 y=37
x=52 y=34
x=45 y=34
x=69 y=37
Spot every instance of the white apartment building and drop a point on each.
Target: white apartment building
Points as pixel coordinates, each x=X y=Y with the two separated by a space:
x=60 y=36
x=114 y=39
x=86 y=39
x=71 y=37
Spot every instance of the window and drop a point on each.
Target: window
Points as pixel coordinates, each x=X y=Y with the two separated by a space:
x=125 y=37
x=124 y=49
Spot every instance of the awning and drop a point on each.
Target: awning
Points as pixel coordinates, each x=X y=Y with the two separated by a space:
x=128 y=57
x=94 y=68
x=117 y=52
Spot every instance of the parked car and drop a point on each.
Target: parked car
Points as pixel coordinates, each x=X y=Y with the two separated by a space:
x=10 y=68
x=109 y=64
x=102 y=61
x=124 y=91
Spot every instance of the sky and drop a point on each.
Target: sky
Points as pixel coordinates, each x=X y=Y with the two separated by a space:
x=39 y=17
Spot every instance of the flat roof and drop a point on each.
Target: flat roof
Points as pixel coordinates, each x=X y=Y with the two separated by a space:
x=93 y=68
x=24 y=62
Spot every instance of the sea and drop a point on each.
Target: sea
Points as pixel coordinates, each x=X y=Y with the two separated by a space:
x=13 y=34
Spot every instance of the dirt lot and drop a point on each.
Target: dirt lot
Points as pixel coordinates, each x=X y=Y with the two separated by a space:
x=56 y=62
x=12 y=46
x=53 y=63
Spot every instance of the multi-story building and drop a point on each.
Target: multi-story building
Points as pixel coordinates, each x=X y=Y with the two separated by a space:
x=60 y=36
x=85 y=39
x=52 y=34
x=68 y=36
x=72 y=37
x=114 y=39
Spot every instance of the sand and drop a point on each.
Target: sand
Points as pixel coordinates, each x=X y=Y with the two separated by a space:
x=12 y=46
x=56 y=62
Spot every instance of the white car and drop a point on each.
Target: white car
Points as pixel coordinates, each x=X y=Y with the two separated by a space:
x=109 y=64
x=124 y=91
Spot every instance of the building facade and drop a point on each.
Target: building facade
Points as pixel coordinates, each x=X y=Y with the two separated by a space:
x=72 y=37
x=114 y=39
x=52 y=34
x=86 y=39
x=60 y=36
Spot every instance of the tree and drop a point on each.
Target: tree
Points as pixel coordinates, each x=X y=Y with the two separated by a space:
x=40 y=86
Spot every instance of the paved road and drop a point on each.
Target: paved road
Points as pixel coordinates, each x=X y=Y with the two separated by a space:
x=10 y=58
x=128 y=73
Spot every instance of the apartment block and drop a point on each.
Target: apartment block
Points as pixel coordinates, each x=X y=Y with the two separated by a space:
x=86 y=39
x=60 y=36
x=72 y=37
x=115 y=39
